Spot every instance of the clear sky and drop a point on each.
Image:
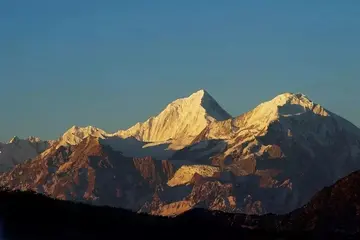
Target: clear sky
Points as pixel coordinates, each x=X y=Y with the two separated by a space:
x=113 y=63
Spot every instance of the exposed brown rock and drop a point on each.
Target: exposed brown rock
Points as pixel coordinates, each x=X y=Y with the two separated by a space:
x=151 y=171
x=91 y=172
x=275 y=152
x=173 y=209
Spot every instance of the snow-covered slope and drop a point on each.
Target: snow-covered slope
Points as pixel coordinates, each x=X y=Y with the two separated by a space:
x=19 y=150
x=131 y=147
x=76 y=134
x=182 y=119
x=283 y=105
x=279 y=109
x=184 y=174
x=293 y=115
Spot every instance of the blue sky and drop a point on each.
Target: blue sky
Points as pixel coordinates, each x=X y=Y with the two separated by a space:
x=113 y=63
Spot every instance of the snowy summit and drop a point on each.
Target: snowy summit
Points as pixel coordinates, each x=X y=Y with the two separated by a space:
x=183 y=118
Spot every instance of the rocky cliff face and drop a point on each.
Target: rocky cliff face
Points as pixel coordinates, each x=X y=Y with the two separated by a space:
x=91 y=172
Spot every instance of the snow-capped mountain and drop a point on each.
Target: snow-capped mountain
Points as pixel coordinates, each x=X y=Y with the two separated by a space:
x=278 y=155
x=180 y=121
x=76 y=134
x=19 y=150
x=256 y=121
x=177 y=125
x=273 y=158
x=291 y=146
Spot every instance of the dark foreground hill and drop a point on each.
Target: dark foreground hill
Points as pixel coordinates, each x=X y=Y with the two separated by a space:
x=27 y=215
x=332 y=213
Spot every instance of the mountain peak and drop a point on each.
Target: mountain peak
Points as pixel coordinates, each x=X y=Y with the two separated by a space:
x=289 y=96
x=183 y=118
x=14 y=139
x=83 y=129
x=200 y=91
x=199 y=94
x=283 y=106
x=196 y=97
x=33 y=139
x=76 y=134
x=288 y=100
x=202 y=99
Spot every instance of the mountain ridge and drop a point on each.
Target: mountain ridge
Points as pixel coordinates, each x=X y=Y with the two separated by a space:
x=184 y=117
x=205 y=95
x=261 y=161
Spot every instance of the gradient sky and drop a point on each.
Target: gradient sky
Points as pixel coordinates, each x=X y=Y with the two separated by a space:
x=113 y=63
